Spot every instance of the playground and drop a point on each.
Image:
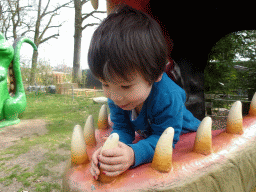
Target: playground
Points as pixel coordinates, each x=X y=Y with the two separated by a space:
x=43 y=148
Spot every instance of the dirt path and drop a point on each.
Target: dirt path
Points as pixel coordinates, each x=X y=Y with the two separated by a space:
x=31 y=162
x=26 y=128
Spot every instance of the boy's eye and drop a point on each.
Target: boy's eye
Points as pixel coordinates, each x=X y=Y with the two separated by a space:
x=105 y=85
x=126 y=87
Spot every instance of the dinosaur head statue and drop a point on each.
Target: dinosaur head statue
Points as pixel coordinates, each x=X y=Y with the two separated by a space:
x=12 y=101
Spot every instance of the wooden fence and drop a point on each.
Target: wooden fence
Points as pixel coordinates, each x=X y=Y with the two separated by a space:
x=215 y=102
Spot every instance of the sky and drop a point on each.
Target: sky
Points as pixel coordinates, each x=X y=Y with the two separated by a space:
x=60 y=51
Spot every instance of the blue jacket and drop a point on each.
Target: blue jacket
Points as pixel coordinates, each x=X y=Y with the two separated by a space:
x=164 y=107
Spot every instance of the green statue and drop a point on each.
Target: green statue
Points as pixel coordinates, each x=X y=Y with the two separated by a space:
x=12 y=102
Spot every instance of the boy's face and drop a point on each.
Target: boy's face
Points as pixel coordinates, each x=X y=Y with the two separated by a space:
x=130 y=94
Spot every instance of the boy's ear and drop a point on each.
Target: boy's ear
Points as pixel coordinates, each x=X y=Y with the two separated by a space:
x=159 y=78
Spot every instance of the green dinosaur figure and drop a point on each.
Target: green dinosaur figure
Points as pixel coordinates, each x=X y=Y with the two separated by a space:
x=12 y=102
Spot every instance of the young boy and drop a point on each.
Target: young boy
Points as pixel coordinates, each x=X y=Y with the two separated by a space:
x=128 y=54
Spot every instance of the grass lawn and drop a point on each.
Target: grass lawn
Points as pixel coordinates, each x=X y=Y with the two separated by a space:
x=62 y=113
x=61 y=110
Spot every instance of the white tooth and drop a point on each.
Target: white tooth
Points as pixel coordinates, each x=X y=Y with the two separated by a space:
x=110 y=143
x=252 y=110
x=103 y=118
x=203 y=140
x=78 y=147
x=162 y=160
x=95 y=4
x=89 y=131
x=12 y=87
x=235 y=119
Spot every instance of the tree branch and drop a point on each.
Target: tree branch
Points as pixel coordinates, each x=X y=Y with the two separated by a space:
x=45 y=9
x=54 y=26
x=18 y=11
x=46 y=27
x=47 y=38
x=96 y=18
x=90 y=14
x=84 y=1
x=56 y=9
x=88 y=25
x=24 y=33
x=1 y=10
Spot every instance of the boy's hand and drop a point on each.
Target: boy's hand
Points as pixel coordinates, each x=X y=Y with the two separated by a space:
x=113 y=161
x=94 y=168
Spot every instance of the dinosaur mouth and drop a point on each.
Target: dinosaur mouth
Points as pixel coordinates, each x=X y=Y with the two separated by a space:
x=12 y=80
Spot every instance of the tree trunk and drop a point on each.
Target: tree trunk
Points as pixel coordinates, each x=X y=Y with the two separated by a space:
x=33 y=68
x=77 y=41
x=37 y=42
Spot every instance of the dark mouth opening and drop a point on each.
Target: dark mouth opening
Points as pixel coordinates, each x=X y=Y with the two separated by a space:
x=12 y=80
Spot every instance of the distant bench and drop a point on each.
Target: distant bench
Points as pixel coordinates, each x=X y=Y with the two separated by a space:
x=83 y=92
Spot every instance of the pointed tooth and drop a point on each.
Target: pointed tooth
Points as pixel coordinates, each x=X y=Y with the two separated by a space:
x=89 y=132
x=103 y=118
x=12 y=87
x=110 y=143
x=78 y=147
x=203 y=140
x=235 y=119
x=252 y=110
x=95 y=4
x=162 y=160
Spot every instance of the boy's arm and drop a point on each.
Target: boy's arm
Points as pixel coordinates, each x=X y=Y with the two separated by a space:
x=164 y=115
x=144 y=150
x=121 y=122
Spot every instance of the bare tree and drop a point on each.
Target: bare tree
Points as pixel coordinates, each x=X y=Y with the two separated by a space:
x=79 y=18
x=40 y=30
x=5 y=18
x=13 y=16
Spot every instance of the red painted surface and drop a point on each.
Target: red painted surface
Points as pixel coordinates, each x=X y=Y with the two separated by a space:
x=185 y=162
x=142 y=5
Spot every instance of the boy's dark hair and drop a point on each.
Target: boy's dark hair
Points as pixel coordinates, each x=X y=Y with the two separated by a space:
x=128 y=40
